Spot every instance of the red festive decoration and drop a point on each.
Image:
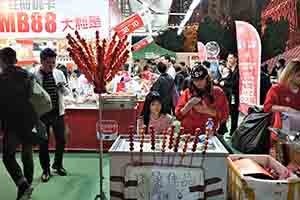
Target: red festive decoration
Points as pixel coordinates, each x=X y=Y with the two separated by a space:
x=101 y=63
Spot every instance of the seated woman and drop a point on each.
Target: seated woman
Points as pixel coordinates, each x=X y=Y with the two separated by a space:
x=284 y=97
x=201 y=101
x=152 y=114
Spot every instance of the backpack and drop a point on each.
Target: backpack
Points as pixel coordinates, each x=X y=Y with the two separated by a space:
x=40 y=99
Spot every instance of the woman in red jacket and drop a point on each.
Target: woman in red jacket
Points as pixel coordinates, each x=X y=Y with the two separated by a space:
x=201 y=101
x=284 y=96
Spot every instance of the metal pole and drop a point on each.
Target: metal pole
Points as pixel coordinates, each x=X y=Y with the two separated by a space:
x=101 y=196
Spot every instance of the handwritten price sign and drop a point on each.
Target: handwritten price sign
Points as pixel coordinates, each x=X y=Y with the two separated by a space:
x=129 y=25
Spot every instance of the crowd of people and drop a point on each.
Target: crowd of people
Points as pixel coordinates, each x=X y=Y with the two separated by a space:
x=192 y=95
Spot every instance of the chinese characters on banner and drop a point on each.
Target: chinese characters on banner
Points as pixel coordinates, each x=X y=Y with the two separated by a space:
x=29 y=5
x=129 y=25
x=52 y=18
x=141 y=44
x=249 y=51
x=201 y=51
x=81 y=23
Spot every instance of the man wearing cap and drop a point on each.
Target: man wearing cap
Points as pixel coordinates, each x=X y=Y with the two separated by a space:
x=201 y=101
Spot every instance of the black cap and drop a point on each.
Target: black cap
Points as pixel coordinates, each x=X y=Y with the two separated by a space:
x=199 y=72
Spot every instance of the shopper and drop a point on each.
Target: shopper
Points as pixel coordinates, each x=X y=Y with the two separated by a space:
x=265 y=83
x=54 y=82
x=18 y=117
x=201 y=101
x=284 y=96
x=165 y=86
x=167 y=60
x=225 y=83
x=153 y=115
x=179 y=78
x=232 y=63
x=278 y=68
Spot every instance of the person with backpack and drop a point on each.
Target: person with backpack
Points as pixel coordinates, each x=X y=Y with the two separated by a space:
x=19 y=118
x=165 y=86
x=55 y=84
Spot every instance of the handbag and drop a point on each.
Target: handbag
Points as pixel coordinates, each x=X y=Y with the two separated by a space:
x=39 y=133
x=40 y=99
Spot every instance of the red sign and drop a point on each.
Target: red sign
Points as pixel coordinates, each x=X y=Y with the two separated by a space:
x=109 y=127
x=141 y=44
x=249 y=50
x=129 y=25
x=24 y=22
x=201 y=51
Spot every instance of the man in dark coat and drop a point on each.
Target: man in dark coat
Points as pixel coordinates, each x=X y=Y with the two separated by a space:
x=165 y=86
x=19 y=118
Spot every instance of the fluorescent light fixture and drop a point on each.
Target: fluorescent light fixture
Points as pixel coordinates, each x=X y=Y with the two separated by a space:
x=188 y=15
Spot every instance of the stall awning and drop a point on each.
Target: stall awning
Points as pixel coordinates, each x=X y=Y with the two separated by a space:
x=288 y=56
x=152 y=51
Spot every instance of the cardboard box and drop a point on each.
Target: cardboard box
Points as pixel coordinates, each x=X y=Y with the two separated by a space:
x=241 y=187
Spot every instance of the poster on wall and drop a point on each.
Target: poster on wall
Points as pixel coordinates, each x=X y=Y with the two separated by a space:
x=54 y=18
x=249 y=53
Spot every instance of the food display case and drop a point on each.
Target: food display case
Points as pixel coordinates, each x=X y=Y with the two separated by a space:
x=147 y=174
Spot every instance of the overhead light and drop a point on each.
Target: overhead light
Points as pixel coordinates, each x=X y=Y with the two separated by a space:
x=188 y=15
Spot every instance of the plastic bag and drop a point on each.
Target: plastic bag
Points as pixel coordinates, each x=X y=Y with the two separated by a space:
x=253 y=136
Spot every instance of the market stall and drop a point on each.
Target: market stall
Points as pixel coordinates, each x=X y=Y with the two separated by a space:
x=81 y=119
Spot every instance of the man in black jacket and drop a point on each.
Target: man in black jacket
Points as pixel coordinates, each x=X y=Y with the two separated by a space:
x=165 y=86
x=19 y=118
x=235 y=98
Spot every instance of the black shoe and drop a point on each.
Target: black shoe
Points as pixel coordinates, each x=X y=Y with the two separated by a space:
x=46 y=176
x=59 y=170
x=24 y=191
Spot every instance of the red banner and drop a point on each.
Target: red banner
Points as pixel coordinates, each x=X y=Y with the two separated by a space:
x=201 y=51
x=141 y=44
x=249 y=50
x=129 y=25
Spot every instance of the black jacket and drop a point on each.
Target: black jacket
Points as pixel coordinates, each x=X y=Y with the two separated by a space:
x=17 y=112
x=164 y=86
x=227 y=88
x=235 y=81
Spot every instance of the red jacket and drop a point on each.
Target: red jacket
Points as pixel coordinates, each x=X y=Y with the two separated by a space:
x=282 y=96
x=193 y=119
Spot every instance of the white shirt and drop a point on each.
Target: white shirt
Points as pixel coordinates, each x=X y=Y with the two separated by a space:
x=171 y=71
x=59 y=77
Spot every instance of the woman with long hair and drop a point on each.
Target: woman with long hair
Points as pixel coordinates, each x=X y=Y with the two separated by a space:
x=284 y=97
x=153 y=114
x=201 y=101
